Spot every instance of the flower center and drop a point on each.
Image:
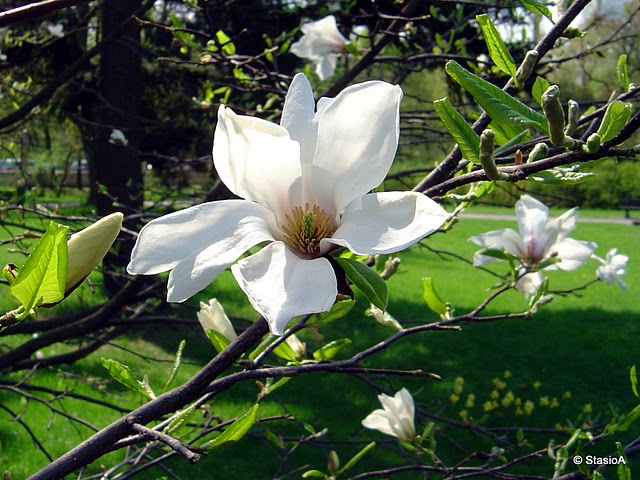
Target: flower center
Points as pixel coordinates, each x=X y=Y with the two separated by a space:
x=305 y=227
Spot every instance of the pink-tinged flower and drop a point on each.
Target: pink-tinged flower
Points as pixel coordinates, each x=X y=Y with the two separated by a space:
x=305 y=186
x=396 y=417
x=321 y=43
x=612 y=268
x=529 y=284
x=539 y=239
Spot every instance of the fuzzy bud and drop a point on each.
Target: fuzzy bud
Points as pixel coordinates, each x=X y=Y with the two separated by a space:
x=486 y=156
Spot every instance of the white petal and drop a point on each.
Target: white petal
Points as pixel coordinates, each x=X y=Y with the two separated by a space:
x=257 y=160
x=387 y=222
x=498 y=239
x=357 y=141
x=572 y=253
x=280 y=285
x=380 y=420
x=319 y=37
x=529 y=284
x=326 y=65
x=299 y=118
x=532 y=222
x=198 y=243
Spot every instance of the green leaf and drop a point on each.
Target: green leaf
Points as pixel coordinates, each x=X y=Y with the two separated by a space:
x=180 y=419
x=42 y=279
x=313 y=473
x=284 y=351
x=462 y=133
x=507 y=133
x=328 y=351
x=176 y=366
x=625 y=421
x=122 y=374
x=356 y=458
x=623 y=470
x=616 y=116
x=500 y=106
x=521 y=137
x=498 y=253
x=539 y=87
x=535 y=6
x=236 y=430
x=633 y=375
x=622 y=71
x=228 y=46
x=339 y=310
x=497 y=49
x=431 y=297
x=219 y=341
x=367 y=280
x=561 y=176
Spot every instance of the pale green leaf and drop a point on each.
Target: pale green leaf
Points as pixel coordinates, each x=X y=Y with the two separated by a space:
x=616 y=116
x=176 y=366
x=228 y=47
x=180 y=419
x=499 y=105
x=431 y=297
x=561 y=176
x=539 y=87
x=328 y=351
x=284 y=351
x=623 y=469
x=356 y=458
x=42 y=279
x=535 y=6
x=462 y=133
x=633 y=376
x=123 y=375
x=236 y=430
x=497 y=49
x=338 y=310
x=218 y=340
x=622 y=71
x=367 y=280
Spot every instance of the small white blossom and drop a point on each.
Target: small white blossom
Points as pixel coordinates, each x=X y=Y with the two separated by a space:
x=213 y=317
x=384 y=318
x=118 y=137
x=612 y=268
x=539 y=239
x=299 y=348
x=396 y=417
x=305 y=185
x=321 y=43
x=56 y=30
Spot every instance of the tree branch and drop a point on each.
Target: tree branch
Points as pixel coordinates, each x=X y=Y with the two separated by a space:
x=34 y=10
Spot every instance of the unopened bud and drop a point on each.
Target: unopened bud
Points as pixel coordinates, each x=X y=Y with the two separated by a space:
x=526 y=68
x=552 y=108
x=593 y=143
x=10 y=272
x=333 y=462
x=486 y=156
x=88 y=247
x=213 y=317
x=384 y=318
x=539 y=152
x=573 y=115
x=390 y=267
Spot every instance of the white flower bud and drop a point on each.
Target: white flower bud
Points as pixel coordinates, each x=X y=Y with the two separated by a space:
x=88 y=247
x=213 y=317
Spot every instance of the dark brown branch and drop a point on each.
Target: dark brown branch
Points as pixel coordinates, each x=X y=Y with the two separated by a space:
x=34 y=10
x=168 y=440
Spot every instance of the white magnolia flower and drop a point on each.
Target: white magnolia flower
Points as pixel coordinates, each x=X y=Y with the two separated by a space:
x=321 y=43
x=396 y=417
x=56 y=30
x=117 y=137
x=539 y=239
x=305 y=185
x=213 y=317
x=612 y=268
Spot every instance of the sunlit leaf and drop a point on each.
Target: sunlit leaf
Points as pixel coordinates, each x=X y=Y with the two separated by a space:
x=339 y=310
x=497 y=49
x=622 y=71
x=616 y=116
x=328 y=351
x=42 y=279
x=236 y=430
x=462 y=133
x=123 y=375
x=539 y=87
x=499 y=105
x=367 y=280
x=535 y=6
x=431 y=297
x=561 y=176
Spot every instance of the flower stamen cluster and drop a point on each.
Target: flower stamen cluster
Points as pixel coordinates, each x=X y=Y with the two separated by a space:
x=304 y=228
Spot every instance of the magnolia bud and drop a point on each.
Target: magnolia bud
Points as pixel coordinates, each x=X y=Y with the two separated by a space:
x=539 y=152
x=552 y=108
x=88 y=247
x=486 y=156
x=213 y=317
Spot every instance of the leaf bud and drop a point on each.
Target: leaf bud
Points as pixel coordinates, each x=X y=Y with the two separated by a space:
x=486 y=156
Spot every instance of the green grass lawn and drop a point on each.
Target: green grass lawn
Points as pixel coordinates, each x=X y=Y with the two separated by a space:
x=577 y=349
